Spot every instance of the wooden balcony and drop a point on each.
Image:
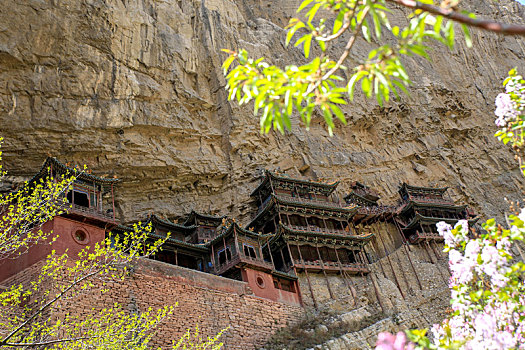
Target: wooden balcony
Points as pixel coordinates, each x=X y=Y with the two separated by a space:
x=299 y=200
x=92 y=213
x=321 y=230
x=419 y=237
x=331 y=267
x=239 y=260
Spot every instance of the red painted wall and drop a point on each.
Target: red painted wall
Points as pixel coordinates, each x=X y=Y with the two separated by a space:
x=65 y=229
x=266 y=289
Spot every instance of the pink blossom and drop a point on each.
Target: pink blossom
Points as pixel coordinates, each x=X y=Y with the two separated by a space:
x=387 y=341
x=504 y=105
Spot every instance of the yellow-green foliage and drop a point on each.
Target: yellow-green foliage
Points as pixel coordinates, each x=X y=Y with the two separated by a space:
x=23 y=212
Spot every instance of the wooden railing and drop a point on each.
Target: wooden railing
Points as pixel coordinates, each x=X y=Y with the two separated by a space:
x=332 y=266
x=445 y=200
x=300 y=200
x=241 y=258
x=322 y=230
x=425 y=236
x=93 y=212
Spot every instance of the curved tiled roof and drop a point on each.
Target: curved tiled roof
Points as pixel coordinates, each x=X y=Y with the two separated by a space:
x=270 y=174
x=57 y=165
x=418 y=218
x=195 y=214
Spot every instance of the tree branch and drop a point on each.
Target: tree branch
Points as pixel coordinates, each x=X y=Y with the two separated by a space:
x=492 y=26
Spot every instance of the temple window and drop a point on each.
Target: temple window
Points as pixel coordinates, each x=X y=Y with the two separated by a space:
x=224 y=255
x=249 y=251
x=78 y=198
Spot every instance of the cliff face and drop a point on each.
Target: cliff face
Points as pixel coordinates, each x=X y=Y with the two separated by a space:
x=134 y=89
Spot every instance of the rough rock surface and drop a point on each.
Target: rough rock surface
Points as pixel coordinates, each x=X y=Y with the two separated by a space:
x=134 y=89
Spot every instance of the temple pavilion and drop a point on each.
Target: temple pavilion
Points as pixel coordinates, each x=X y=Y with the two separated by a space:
x=422 y=207
x=310 y=229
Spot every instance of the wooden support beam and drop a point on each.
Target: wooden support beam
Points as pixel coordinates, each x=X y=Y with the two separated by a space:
x=343 y=275
x=324 y=272
x=407 y=250
x=390 y=263
x=437 y=266
x=372 y=278
x=307 y=277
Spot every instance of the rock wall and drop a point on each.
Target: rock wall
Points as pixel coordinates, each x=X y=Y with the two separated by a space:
x=134 y=89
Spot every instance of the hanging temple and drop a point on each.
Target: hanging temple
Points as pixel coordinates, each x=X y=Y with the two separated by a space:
x=299 y=226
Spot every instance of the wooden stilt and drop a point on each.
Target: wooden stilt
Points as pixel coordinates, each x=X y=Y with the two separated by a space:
x=391 y=266
x=407 y=250
x=343 y=275
x=307 y=277
x=437 y=266
x=372 y=275
x=324 y=272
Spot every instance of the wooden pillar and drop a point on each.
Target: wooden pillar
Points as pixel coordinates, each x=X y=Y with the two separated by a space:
x=436 y=252
x=437 y=266
x=213 y=256
x=176 y=258
x=407 y=250
x=270 y=251
x=325 y=225
x=112 y=201
x=291 y=256
x=344 y=277
x=324 y=272
x=391 y=266
x=236 y=242
x=225 y=253
x=282 y=255
x=307 y=277
x=372 y=278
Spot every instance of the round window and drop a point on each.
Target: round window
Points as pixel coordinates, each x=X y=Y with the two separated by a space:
x=260 y=281
x=80 y=236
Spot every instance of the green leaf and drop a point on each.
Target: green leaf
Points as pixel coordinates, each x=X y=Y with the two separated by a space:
x=227 y=63
x=353 y=81
x=292 y=31
x=303 y=5
x=468 y=38
x=338 y=23
x=366 y=86
x=337 y=111
x=365 y=28
x=395 y=30
x=306 y=46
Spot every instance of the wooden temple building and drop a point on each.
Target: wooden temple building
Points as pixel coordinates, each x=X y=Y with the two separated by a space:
x=422 y=208
x=300 y=229
x=91 y=214
x=310 y=229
